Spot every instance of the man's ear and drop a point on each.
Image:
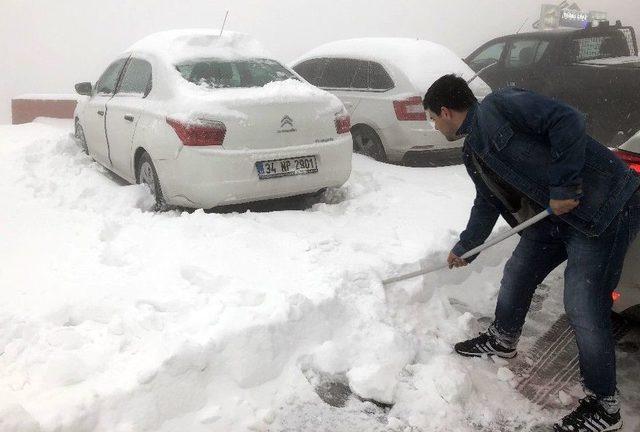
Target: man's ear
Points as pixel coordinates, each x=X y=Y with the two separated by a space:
x=445 y=113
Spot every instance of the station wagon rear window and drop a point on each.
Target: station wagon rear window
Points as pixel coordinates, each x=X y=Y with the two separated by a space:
x=214 y=73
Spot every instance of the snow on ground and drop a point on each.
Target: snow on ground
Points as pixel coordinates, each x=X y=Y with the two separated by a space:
x=116 y=318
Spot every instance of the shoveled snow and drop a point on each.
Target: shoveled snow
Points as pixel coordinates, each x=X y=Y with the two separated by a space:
x=115 y=318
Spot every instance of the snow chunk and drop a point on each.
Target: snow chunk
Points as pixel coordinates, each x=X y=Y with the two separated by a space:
x=505 y=374
x=373 y=381
x=565 y=398
x=432 y=390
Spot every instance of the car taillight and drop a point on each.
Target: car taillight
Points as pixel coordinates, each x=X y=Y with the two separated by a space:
x=343 y=123
x=199 y=133
x=632 y=159
x=615 y=295
x=410 y=109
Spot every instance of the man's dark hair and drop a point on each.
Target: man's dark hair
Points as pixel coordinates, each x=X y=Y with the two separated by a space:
x=449 y=91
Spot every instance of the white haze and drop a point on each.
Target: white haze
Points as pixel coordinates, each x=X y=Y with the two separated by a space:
x=47 y=46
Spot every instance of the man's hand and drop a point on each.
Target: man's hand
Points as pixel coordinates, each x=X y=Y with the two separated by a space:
x=455 y=261
x=561 y=207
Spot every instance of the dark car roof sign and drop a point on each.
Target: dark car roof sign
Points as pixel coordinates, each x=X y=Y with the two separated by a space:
x=573 y=18
x=566 y=15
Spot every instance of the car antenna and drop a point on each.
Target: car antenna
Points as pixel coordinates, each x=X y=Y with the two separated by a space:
x=523 y=23
x=224 y=22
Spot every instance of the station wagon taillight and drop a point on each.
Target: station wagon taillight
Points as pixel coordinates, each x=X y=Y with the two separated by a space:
x=199 y=133
x=632 y=159
x=615 y=296
x=410 y=109
x=343 y=123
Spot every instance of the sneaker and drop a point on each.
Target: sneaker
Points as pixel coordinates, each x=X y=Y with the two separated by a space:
x=485 y=344
x=590 y=416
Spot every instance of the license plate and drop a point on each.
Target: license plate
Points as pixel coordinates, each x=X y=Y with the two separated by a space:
x=287 y=167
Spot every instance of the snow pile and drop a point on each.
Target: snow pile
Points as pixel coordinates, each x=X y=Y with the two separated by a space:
x=421 y=61
x=118 y=319
x=277 y=92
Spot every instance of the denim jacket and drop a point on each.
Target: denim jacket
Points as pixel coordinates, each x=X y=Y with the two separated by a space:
x=540 y=147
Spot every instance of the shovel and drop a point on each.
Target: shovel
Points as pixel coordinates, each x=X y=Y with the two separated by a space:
x=475 y=251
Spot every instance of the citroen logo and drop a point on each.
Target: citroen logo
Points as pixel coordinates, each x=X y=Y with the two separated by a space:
x=286 y=125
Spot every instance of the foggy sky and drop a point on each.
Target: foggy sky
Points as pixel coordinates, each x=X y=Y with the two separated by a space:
x=49 y=45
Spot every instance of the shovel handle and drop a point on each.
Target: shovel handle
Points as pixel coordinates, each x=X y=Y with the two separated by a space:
x=526 y=224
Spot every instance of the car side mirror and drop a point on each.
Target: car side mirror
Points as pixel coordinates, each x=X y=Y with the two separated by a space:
x=84 y=88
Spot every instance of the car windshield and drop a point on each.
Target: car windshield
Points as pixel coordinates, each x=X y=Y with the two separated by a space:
x=213 y=73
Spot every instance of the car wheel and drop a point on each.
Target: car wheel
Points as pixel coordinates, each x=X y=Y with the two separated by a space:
x=146 y=174
x=367 y=142
x=79 y=134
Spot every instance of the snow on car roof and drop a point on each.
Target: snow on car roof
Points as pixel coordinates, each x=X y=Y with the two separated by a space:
x=179 y=45
x=422 y=61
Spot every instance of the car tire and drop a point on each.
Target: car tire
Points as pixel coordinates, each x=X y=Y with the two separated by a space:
x=146 y=174
x=79 y=134
x=367 y=142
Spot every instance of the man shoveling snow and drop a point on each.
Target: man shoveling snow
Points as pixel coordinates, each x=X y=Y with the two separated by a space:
x=525 y=152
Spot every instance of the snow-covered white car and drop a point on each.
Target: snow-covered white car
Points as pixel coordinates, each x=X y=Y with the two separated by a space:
x=382 y=82
x=627 y=295
x=207 y=119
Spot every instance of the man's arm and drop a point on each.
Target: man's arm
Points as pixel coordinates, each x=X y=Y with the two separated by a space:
x=562 y=125
x=482 y=219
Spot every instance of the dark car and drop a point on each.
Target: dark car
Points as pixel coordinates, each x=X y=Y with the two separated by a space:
x=597 y=70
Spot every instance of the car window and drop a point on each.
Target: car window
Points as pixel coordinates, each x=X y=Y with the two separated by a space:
x=487 y=56
x=524 y=52
x=136 y=79
x=214 y=73
x=106 y=85
x=542 y=49
x=311 y=70
x=379 y=79
x=360 y=79
x=613 y=44
x=339 y=73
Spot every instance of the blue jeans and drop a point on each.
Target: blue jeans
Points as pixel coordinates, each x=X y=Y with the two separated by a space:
x=594 y=265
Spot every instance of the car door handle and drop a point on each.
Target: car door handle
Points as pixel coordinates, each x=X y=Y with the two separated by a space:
x=100 y=112
x=128 y=118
